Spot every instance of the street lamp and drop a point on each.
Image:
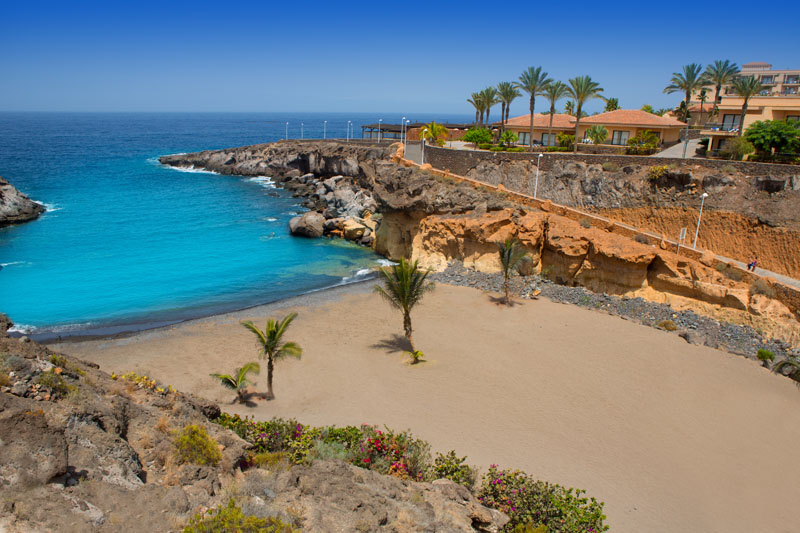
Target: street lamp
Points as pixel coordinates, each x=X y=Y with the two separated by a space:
x=287 y=131
x=405 y=140
x=702 y=201
x=348 y=131
x=301 y=130
x=403 y=131
x=422 y=159
x=536 y=183
x=324 y=129
x=379 y=129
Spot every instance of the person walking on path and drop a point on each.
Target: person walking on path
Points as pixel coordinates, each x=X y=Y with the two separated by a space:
x=751 y=266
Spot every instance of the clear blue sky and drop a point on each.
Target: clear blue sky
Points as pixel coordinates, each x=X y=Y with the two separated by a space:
x=371 y=56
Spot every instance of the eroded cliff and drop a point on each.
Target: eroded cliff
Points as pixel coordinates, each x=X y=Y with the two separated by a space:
x=16 y=207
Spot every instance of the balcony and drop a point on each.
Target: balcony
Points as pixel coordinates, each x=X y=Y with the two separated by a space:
x=792 y=80
x=718 y=128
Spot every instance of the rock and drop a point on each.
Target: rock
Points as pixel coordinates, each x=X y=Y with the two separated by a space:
x=332 y=224
x=692 y=337
x=15 y=207
x=309 y=224
x=353 y=230
x=32 y=452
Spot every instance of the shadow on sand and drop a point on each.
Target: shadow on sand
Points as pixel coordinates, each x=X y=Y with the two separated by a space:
x=396 y=344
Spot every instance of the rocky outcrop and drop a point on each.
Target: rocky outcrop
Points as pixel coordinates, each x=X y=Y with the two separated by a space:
x=308 y=224
x=15 y=207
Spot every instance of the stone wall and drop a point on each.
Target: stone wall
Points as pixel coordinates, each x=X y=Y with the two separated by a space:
x=462 y=161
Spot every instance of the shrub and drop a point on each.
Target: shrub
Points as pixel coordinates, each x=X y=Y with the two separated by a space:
x=532 y=502
x=762 y=286
x=300 y=447
x=773 y=135
x=642 y=239
x=5 y=379
x=516 y=149
x=736 y=148
x=416 y=356
x=485 y=146
x=643 y=143
x=193 y=445
x=657 y=172
x=55 y=383
x=63 y=362
x=398 y=454
x=558 y=149
x=269 y=459
x=608 y=166
x=765 y=355
x=597 y=133
x=729 y=272
x=454 y=468
x=349 y=436
x=231 y=518
x=585 y=223
x=508 y=138
x=477 y=136
x=498 y=148
x=668 y=325
x=565 y=140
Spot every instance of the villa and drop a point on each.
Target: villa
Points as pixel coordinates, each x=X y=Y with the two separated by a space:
x=621 y=124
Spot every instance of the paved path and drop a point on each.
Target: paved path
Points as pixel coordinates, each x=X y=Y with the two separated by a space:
x=761 y=272
x=414 y=153
x=677 y=150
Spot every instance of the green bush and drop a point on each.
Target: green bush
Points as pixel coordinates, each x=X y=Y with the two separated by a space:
x=63 y=362
x=735 y=149
x=193 y=445
x=454 y=468
x=269 y=459
x=766 y=136
x=765 y=355
x=55 y=383
x=508 y=138
x=528 y=501
x=643 y=143
x=762 y=286
x=558 y=149
x=498 y=148
x=597 y=133
x=668 y=325
x=565 y=140
x=231 y=519
x=657 y=172
x=477 y=136
x=516 y=149
x=610 y=167
x=485 y=146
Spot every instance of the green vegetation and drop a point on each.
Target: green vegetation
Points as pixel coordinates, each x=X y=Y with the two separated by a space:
x=272 y=344
x=612 y=104
x=530 y=502
x=238 y=381
x=668 y=325
x=770 y=137
x=450 y=466
x=645 y=142
x=565 y=140
x=63 y=362
x=765 y=356
x=404 y=285
x=582 y=89
x=478 y=136
x=5 y=379
x=56 y=383
x=554 y=92
x=508 y=138
x=434 y=133
x=762 y=286
x=597 y=133
x=610 y=167
x=746 y=87
x=720 y=73
x=231 y=519
x=735 y=149
x=687 y=81
x=512 y=258
x=534 y=82
x=657 y=172
x=416 y=356
x=507 y=92
x=193 y=445
x=558 y=149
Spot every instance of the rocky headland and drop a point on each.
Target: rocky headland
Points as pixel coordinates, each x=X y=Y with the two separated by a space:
x=15 y=207
x=373 y=196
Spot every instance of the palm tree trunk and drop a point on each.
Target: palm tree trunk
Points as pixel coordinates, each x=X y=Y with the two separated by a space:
x=270 y=365
x=407 y=328
x=530 y=133
x=476 y=117
x=502 y=117
x=577 y=125
x=716 y=99
x=741 y=118
x=550 y=129
x=508 y=296
x=508 y=110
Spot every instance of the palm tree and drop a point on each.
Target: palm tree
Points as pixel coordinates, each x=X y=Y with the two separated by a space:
x=272 y=345
x=612 y=104
x=475 y=102
x=703 y=96
x=647 y=108
x=533 y=81
x=490 y=98
x=554 y=92
x=433 y=132
x=582 y=89
x=507 y=93
x=720 y=73
x=238 y=381
x=687 y=81
x=746 y=87
x=511 y=257
x=597 y=133
x=404 y=285
x=569 y=107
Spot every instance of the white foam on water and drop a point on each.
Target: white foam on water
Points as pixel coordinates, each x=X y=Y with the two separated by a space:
x=263 y=181
x=21 y=328
x=385 y=262
x=192 y=169
x=49 y=208
x=361 y=274
x=271 y=219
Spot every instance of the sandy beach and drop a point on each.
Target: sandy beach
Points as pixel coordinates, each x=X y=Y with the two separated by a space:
x=672 y=436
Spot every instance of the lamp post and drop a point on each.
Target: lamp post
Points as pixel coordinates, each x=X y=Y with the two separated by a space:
x=536 y=183
x=301 y=130
x=422 y=159
x=348 y=131
x=405 y=139
x=324 y=129
x=697 y=231
x=403 y=131
x=379 y=129
x=287 y=131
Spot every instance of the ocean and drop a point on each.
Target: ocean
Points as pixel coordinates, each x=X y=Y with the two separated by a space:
x=127 y=243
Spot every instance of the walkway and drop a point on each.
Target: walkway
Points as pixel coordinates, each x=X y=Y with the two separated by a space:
x=677 y=150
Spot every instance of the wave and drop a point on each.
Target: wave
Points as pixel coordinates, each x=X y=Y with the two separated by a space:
x=263 y=181
x=24 y=329
x=385 y=262
x=269 y=219
x=11 y=263
x=49 y=208
x=192 y=169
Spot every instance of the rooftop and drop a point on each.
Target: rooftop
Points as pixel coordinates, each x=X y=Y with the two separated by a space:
x=632 y=117
x=542 y=120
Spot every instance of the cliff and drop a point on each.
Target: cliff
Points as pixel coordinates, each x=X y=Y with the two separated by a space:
x=15 y=207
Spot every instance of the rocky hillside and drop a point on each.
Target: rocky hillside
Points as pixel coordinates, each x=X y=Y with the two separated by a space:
x=82 y=450
x=15 y=207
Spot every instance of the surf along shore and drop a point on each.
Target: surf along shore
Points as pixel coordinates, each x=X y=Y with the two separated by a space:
x=671 y=436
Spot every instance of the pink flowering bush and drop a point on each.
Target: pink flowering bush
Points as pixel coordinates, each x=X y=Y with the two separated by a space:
x=528 y=501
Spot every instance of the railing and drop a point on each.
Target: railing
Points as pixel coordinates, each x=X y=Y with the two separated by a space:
x=717 y=126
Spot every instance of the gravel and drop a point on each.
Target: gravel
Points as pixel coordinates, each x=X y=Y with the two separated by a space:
x=697 y=329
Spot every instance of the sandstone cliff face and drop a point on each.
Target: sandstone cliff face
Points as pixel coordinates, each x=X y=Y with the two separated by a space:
x=15 y=207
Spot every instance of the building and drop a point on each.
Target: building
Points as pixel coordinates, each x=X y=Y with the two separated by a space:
x=621 y=124
x=413 y=129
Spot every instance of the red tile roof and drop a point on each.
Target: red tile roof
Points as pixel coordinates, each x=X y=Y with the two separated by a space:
x=542 y=120
x=632 y=117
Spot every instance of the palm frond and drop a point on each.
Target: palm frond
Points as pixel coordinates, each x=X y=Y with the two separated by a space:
x=226 y=380
x=291 y=349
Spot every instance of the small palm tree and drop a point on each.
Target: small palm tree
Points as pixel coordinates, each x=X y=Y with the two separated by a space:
x=475 y=101
x=687 y=81
x=746 y=87
x=490 y=99
x=569 y=107
x=720 y=73
x=512 y=256
x=703 y=96
x=272 y=344
x=507 y=93
x=647 y=108
x=789 y=367
x=582 y=89
x=554 y=92
x=612 y=104
x=434 y=132
x=597 y=133
x=238 y=381
x=534 y=82
x=404 y=285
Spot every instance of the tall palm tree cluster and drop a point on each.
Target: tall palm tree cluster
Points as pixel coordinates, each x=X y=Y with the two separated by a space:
x=535 y=82
x=692 y=78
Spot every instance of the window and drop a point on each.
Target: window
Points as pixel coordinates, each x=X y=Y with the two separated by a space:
x=793 y=117
x=730 y=122
x=767 y=79
x=523 y=137
x=792 y=79
x=551 y=142
x=620 y=137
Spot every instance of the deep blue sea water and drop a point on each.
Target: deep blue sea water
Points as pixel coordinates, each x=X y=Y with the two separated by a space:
x=127 y=243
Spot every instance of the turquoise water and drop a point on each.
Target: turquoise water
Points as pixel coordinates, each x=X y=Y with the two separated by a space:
x=127 y=243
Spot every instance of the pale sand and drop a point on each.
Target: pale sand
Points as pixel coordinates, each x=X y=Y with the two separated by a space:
x=673 y=437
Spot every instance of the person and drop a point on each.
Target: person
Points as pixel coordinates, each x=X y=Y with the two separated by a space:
x=754 y=264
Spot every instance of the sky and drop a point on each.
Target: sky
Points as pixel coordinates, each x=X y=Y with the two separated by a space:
x=401 y=57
